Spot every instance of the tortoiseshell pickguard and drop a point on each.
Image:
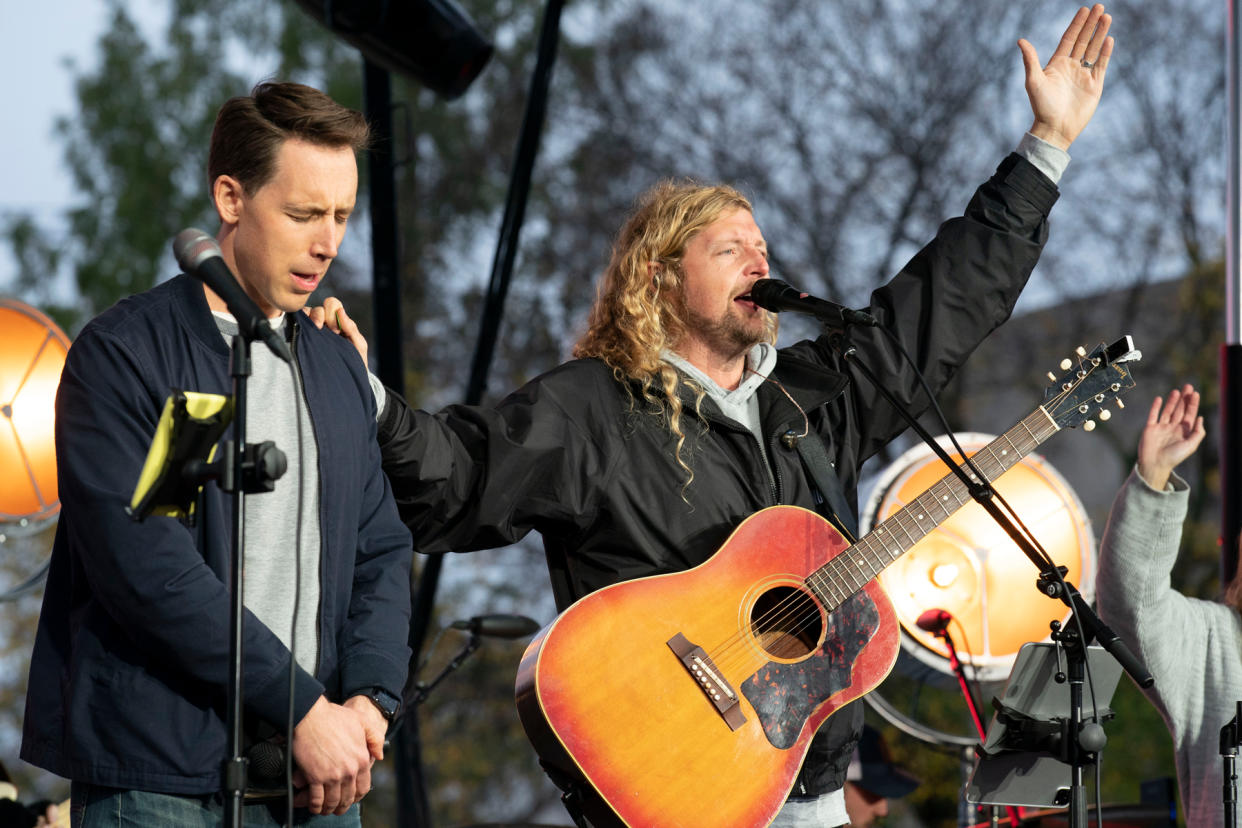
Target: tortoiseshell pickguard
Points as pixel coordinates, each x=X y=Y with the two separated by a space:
x=785 y=695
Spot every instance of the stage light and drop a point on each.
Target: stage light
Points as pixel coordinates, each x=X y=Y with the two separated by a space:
x=32 y=354
x=971 y=568
x=432 y=41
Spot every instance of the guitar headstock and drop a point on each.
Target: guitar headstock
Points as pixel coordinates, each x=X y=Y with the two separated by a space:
x=1089 y=382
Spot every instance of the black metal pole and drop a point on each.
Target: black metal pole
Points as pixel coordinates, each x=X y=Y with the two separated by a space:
x=1230 y=459
x=1076 y=658
x=515 y=205
x=493 y=312
x=1231 y=351
x=1229 y=756
x=235 y=766
x=413 y=802
x=385 y=279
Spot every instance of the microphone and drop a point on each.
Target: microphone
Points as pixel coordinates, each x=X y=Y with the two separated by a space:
x=777 y=296
x=267 y=761
x=498 y=626
x=934 y=621
x=198 y=255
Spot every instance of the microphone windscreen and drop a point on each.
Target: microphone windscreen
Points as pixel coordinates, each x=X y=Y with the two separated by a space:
x=267 y=761
x=773 y=294
x=934 y=620
x=191 y=246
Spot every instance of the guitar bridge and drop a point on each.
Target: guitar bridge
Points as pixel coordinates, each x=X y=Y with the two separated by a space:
x=718 y=691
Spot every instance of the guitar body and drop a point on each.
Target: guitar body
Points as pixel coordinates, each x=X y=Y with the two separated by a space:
x=605 y=696
x=690 y=699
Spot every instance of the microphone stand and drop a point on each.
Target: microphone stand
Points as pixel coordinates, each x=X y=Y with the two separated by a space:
x=1051 y=582
x=1229 y=742
x=419 y=691
x=959 y=670
x=234 y=484
x=480 y=627
x=955 y=664
x=242 y=470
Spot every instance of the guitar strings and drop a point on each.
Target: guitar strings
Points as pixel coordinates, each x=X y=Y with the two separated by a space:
x=850 y=571
x=784 y=612
x=797 y=614
x=783 y=615
x=832 y=569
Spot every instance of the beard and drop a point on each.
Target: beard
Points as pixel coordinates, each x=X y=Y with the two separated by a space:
x=728 y=334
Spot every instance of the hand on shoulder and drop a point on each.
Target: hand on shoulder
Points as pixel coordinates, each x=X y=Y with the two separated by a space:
x=332 y=314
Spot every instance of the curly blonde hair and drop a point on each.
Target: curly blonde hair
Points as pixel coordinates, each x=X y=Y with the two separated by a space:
x=639 y=310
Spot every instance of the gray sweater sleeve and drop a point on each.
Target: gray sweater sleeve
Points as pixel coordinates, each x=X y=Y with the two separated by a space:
x=1048 y=159
x=1192 y=647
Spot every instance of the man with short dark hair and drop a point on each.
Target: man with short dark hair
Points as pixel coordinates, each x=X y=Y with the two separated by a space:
x=128 y=681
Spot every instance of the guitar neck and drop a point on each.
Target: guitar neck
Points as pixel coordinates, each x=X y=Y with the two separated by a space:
x=849 y=571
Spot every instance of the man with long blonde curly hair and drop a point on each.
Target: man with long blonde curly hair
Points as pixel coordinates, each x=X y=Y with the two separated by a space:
x=641 y=316
x=679 y=417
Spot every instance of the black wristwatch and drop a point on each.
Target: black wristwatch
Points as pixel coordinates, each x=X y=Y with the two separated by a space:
x=387 y=704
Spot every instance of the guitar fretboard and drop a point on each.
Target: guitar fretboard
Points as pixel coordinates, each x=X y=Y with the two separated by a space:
x=850 y=570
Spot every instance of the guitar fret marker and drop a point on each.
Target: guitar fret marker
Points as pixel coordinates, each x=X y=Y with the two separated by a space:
x=992 y=461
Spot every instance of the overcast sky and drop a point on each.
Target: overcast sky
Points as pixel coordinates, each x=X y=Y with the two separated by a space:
x=39 y=37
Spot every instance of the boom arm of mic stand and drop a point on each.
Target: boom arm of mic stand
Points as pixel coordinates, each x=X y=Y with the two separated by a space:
x=1093 y=626
x=418 y=692
x=981 y=491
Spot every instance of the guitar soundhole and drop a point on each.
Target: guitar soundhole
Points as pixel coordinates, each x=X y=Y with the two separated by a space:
x=786 y=622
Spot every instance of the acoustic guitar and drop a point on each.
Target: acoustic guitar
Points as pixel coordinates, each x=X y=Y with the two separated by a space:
x=689 y=699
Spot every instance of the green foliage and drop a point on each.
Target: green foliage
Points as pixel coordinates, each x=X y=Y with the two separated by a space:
x=856 y=131
x=22 y=553
x=136 y=146
x=129 y=160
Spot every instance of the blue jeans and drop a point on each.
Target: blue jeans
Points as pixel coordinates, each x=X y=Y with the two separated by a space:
x=94 y=806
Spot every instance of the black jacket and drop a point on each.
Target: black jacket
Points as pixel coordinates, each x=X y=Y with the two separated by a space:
x=568 y=455
x=131 y=660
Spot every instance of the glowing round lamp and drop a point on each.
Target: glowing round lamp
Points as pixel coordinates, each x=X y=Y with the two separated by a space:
x=32 y=354
x=971 y=568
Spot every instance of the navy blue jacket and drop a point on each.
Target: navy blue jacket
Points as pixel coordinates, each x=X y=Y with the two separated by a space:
x=129 y=674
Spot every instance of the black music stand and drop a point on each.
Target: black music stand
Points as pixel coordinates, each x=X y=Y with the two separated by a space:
x=1023 y=761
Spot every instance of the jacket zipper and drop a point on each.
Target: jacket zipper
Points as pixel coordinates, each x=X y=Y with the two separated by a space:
x=774 y=471
x=767 y=461
x=293 y=348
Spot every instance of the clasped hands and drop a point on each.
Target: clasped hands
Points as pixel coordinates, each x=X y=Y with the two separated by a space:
x=334 y=747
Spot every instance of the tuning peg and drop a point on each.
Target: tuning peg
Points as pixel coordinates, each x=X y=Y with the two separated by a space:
x=1081 y=351
x=1052 y=376
x=1120 y=404
x=1089 y=425
x=1066 y=365
x=1105 y=414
